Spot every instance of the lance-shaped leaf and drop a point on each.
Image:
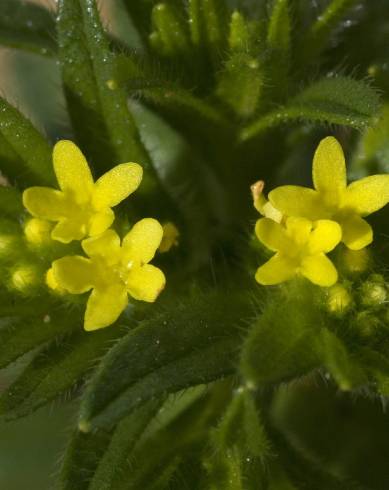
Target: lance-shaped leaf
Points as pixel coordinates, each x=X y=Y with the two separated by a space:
x=281 y=344
x=54 y=371
x=239 y=447
x=192 y=343
x=279 y=45
x=93 y=461
x=27 y=26
x=167 y=457
x=340 y=364
x=97 y=105
x=20 y=336
x=25 y=155
x=338 y=100
x=321 y=30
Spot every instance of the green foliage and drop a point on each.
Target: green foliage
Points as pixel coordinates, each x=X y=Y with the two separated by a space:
x=27 y=26
x=220 y=384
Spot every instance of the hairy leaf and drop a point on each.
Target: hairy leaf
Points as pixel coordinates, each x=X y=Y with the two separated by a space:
x=27 y=26
x=22 y=335
x=25 y=155
x=53 y=371
x=97 y=106
x=338 y=100
x=192 y=343
x=320 y=32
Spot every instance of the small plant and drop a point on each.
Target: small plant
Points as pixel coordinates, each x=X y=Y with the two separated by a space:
x=208 y=368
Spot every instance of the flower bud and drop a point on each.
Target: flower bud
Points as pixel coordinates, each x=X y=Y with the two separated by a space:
x=367 y=324
x=373 y=292
x=24 y=278
x=37 y=231
x=339 y=299
x=52 y=283
x=7 y=243
x=356 y=261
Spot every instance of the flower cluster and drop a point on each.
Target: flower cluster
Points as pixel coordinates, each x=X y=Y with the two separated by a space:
x=81 y=210
x=301 y=225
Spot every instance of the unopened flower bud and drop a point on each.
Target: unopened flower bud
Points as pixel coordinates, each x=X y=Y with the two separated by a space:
x=356 y=261
x=373 y=292
x=24 y=278
x=37 y=231
x=339 y=299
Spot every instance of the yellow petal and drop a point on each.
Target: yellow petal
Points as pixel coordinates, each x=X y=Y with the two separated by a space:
x=356 y=232
x=68 y=230
x=294 y=200
x=276 y=270
x=116 y=185
x=299 y=230
x=271 y=234
x=142 y=241
x=74 y=273
x=325 y=236
x=105 y=306
x=329 y=170
x=43 y=202
x=365 y=196
x=72 y=171
x=101 y=221
x=106 y=245
x=319 y=270
x=145 y=283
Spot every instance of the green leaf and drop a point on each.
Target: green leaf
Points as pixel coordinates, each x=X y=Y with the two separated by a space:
x=114 y=465
x=81 y=459
x=97 y=105
x=338 y=361
x=337 y=100
x=281 y=344
x=209 y=26
x=241 y=84
x=170 y=33
x=27 y=26
x=279 y=45
x=191 y=343
x=54 y=371
x=22 y=335
x=94 y=461
x=317 y=37
x=239 y=447
x=25 y=155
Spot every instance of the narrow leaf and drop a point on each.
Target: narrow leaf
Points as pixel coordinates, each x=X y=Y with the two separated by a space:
x=281 y=344
x=192 y=343
x=23 y=335
x=320 y=32
x=98 y=107
x=27 y=26
x=279 y=45
x=54 y=371
x=25 y=154
x=337 y=100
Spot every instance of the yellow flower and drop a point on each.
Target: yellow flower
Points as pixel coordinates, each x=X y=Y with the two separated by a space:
x=113 y=271
x=82 y=207
x=262 y=205
x=170 y=237
x=333 y=199
x=301 y=246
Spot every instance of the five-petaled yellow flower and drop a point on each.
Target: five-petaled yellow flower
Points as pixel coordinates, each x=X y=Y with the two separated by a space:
x=113 y=271
x=333 y=199
x=82 y=207
x=300 y=248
